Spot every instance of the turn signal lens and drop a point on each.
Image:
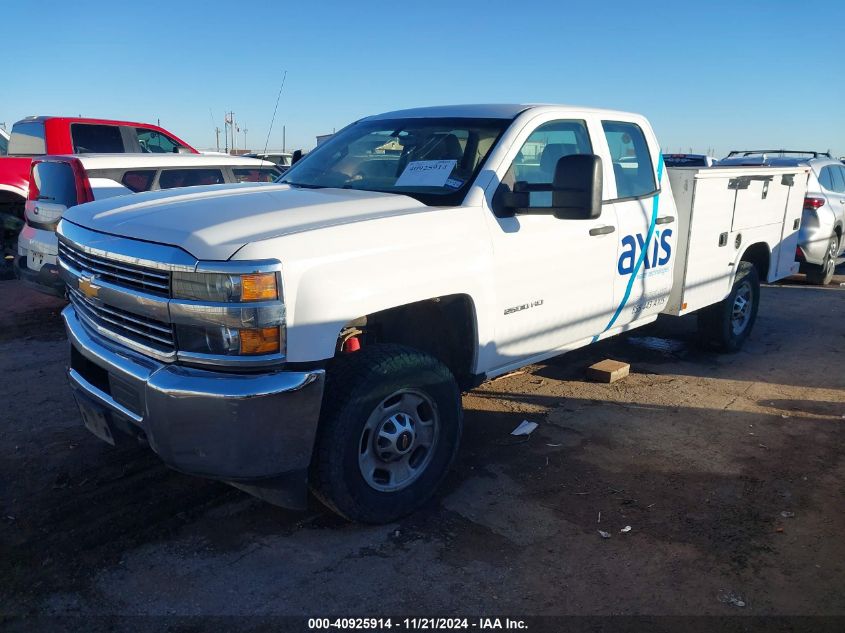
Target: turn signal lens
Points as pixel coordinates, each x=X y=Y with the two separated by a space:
x=259 y=287
x=260 y=341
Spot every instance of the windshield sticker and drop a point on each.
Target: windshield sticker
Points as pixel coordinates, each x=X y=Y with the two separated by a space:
x=426 y=173
x=454 y=183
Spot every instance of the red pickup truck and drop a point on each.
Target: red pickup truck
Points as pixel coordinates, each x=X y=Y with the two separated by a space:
x=36 y=136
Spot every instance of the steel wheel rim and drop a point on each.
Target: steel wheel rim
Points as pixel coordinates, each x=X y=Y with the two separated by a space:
x=741 y=309
x=398 y=440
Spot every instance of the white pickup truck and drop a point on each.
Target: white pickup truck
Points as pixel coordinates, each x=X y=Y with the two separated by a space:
x=319 y=331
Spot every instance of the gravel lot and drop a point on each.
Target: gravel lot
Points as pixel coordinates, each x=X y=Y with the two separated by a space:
x=730 y=471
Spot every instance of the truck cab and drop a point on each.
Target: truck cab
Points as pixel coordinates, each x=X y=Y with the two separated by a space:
x=317 y=332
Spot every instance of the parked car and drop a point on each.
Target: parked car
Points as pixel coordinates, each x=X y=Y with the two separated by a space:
x=40 y=135
x=283 y=160
x=4 y=142
x=820 y=241
x=60 y=182
x=689 y=160
x=319 y=331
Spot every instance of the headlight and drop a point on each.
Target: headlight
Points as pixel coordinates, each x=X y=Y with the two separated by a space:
x=222 y=287
x=223 y=313
x=227 y=341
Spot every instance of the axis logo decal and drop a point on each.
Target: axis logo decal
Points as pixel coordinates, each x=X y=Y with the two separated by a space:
x=660 y=247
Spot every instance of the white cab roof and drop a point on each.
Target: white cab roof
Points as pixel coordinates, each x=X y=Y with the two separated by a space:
x=484 y=111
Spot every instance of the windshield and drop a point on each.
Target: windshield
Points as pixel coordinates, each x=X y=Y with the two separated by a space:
x=433 y=160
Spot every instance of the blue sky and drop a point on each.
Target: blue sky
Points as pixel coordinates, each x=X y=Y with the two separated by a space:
x=713 y=74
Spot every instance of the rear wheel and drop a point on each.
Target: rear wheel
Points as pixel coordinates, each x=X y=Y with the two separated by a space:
x=822 y=275
x=389 y=431
x=727 y=324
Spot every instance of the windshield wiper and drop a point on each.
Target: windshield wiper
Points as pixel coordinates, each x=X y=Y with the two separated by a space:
x=302 y=185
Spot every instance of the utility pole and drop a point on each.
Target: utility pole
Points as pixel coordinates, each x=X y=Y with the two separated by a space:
x=246 y=147
x=284 y=147
x=217 y=137
x=226 y=121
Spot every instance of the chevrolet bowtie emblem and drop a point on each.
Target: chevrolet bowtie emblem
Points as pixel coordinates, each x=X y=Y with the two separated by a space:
x=88 y=287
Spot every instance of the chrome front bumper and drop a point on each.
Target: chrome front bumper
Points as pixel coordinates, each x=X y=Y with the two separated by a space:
x=237 y=427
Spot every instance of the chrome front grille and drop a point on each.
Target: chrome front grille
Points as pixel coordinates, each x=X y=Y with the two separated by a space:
x=141 y=278
x=109 y=320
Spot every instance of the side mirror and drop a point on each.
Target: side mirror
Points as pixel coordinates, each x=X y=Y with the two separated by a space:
x=182 y=150
x=296 y=157
x=577 y=187
x=574 y=194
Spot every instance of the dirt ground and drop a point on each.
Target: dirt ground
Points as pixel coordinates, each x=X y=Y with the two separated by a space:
x=729 y=470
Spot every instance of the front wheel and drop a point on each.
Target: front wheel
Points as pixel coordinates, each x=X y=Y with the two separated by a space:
x=389 y=431
x=822 y=275
x=727 y=324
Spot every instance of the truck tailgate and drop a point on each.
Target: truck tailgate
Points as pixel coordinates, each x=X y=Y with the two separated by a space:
x=722 y=211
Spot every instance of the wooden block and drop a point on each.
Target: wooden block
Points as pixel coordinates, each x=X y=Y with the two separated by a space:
x=608 y=371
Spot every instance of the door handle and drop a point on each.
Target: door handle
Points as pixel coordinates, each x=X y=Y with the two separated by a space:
x=602 y=230
x=666 y=219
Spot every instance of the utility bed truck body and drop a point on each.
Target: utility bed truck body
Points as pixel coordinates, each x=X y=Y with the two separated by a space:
x=317 y=332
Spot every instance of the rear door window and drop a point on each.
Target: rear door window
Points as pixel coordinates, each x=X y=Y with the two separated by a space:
x=28 y=139
x=96 y=139
x=256 y=174
x=838 y=178
x=56 y=183
x=139 y=179
x=171 y=178
x=826 y=178
x=629 y=153
x=154 y=142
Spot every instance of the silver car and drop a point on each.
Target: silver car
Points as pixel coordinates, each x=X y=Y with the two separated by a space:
x=820 y=240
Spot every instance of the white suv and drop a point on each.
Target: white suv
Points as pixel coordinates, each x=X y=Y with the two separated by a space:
x=820 y=240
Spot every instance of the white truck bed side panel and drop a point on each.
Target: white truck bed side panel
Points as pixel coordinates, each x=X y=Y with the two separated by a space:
x=718 y=208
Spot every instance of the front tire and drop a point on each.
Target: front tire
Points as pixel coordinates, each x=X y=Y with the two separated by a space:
x=727 y=324
x=822 y=275
x=389 y=431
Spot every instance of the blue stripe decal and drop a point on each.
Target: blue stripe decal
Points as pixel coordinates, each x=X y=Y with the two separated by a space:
x=643 y=252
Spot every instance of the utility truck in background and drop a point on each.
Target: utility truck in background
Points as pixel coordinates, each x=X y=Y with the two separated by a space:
x=318 y=332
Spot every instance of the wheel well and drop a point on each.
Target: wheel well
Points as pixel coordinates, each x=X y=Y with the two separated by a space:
x=758 y=254
x=12 y=203
x=443 y=327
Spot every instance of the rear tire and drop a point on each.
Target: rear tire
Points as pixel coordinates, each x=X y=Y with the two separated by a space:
x=822 y=275
x=389 y=431
x=727 y=324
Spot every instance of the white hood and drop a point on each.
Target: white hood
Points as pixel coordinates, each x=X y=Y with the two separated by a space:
x=213 y=222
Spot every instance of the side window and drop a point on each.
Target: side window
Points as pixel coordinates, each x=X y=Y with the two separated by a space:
x=154 y=142
x=4 y=145
x=256 y=174
x=826 y=178
x=171 y=178
x=96 y=139
x=629 y=153
x=838 y=174
x=139 y=179
x=28 y=139
x=537 y=158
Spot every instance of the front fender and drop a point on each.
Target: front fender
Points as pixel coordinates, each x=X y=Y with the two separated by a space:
x=335 y=275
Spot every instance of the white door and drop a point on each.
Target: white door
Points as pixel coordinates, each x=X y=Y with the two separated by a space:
x=554 y=278
x=647 y=227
